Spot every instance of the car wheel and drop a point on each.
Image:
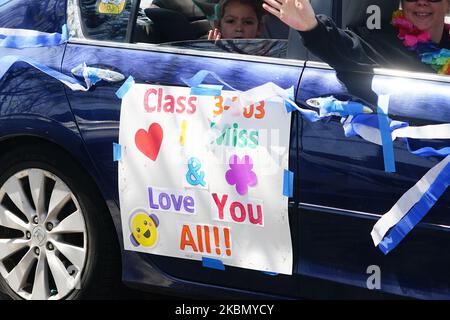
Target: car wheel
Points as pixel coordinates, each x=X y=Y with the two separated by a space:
x=56 y=238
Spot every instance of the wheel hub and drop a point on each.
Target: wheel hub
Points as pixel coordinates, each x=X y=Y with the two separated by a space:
x=38 y=236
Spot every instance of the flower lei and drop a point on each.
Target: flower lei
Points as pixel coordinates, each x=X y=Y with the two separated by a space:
x=420 y=41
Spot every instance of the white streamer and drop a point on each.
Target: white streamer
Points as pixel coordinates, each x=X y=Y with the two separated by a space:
x=406 y=202
x=371 y=134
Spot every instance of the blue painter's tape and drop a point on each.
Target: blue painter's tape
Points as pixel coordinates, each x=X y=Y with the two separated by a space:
x=125 y=87
x=343 y=108
x=207 y=90
x=388 y=146
x=117 y=151
x=416 y=214
x=351 y=108
x=213 y=263
x=200 y=76
x=197 y=79
x=273 y=274
x=289 y=107
x=288 y=183
x=386 y=136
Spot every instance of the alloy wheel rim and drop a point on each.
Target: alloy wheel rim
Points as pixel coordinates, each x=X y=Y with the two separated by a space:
x=43 y=236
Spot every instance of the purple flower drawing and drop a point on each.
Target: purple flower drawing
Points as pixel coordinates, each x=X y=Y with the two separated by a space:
x=241 y=174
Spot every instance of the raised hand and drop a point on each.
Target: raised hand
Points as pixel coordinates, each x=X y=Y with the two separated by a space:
x=297 y=14
x=214 y=34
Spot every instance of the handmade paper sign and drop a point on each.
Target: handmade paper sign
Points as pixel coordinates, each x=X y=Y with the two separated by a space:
x=202 y=177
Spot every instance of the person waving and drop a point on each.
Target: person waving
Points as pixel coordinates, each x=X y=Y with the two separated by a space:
x=417 y=39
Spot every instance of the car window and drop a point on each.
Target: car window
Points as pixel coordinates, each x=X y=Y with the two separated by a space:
x=257 y=47
x=186 y=24
x=99 y=19
x=171 y=23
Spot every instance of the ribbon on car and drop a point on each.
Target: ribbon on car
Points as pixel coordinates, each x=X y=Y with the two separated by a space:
x=24 y=38
x=90 y=79
x=393 y=226
x=330 y=106
x=260 y=93
x=411 y=207
x=409 y=210
x=367 y=127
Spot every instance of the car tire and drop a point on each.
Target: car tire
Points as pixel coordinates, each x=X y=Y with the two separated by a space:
x=80 y=237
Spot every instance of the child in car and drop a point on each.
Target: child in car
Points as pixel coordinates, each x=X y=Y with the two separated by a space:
x=238 y=19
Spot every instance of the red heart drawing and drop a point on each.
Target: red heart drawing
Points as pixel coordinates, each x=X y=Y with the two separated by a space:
x=149 y=142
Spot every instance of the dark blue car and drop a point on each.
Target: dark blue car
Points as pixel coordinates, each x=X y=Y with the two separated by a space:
x=60 y=224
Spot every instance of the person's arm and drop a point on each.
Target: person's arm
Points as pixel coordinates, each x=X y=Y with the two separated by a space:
x=343 y=50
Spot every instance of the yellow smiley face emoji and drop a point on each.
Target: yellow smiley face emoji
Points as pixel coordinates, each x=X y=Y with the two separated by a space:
x=143 y=229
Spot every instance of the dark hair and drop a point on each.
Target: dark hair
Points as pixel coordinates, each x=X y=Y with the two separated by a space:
x=256 y=5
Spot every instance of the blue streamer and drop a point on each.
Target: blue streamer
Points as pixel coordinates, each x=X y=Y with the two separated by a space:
x=35 y=40
x=125 y=87
x=213 y=263
x=416 y=214
x=288 y=183
x=427 y=151
x=372 y=121
x=8 y=61
x=420 y=209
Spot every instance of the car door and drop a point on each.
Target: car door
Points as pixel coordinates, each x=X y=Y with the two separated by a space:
x=97 y=113
x=344 y=188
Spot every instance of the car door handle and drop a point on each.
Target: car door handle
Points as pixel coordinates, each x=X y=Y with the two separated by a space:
x=84 y=71
x=315 y=103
